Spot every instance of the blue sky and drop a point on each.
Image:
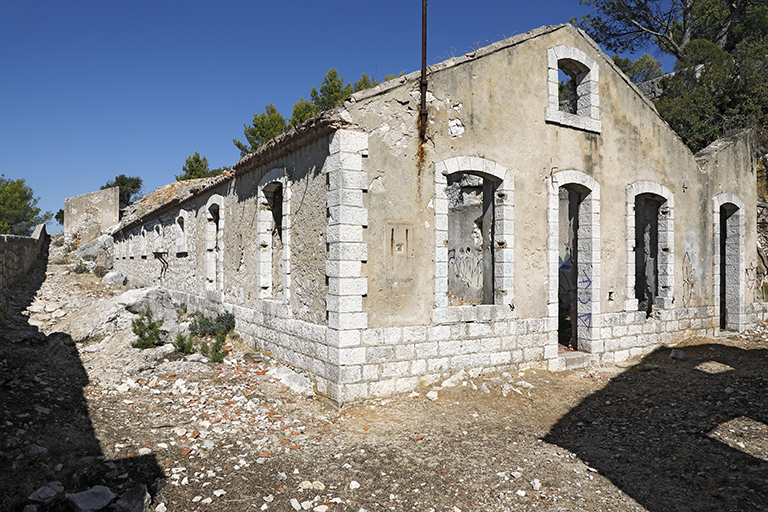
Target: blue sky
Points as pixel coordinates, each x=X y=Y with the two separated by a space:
x=93 y=89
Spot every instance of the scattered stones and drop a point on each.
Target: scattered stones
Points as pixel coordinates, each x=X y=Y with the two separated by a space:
x=95 y=498
x=114 y=278
x=432 y=395
x=135 y=499
x=354 y=484
x=454 y=380
x=43 y=495
x=34 y=450
x=297 y=383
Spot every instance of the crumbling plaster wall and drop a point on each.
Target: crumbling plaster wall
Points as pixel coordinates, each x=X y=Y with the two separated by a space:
x=89 y=215
x=634 y=145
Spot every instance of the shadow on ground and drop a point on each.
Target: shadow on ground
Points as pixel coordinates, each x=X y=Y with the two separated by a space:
x=47 y=435
x=680 y=435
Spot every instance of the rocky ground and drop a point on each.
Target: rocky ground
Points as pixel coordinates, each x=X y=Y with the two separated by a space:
x=87 y=417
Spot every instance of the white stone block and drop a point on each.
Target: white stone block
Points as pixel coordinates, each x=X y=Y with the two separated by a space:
x=352 y=356
x=343 y=268
x=350 y=141
x=348 y=286
x=344 y=233
x=347 y=321
x=439 y=332
x=345 y=197
x=344 y=214
x=344 y=303
x=426 y=350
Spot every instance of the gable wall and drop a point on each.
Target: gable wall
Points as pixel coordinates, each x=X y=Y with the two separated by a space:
x=492 y=111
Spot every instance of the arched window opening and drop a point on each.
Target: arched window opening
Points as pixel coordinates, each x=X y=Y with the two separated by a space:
x=212 y=246
x=274 y=196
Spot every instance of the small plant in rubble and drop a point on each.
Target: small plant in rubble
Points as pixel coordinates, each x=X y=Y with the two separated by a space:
x=184 y=344
x=80 y=269
x=206 y=326
x=147 y=329
x=217 y=349
x=99 y=271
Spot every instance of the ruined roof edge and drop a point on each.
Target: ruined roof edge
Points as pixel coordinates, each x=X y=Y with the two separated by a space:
x=453 y=61
x=305 y=133
x=716 y=146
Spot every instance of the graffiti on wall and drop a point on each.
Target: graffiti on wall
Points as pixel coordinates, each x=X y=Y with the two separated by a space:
x=585 y=297
x=467 y=266
x=689 y=280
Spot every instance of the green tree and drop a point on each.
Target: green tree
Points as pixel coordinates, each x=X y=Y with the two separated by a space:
x=303 y=110
x=627 y=25
x=365 y=82
x=641 y=69
x=714 y=92
x=195 y=167
x=130 y=188
x=60 y=217
x=18 y=208
x=266 y=126
x=332 y=91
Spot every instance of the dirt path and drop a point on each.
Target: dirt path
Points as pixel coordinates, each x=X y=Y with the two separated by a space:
x=652 y=434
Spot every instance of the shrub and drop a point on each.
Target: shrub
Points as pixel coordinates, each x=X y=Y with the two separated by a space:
x=217 y=350
x=80 y=269
x=99 y=271
x=184 y=344
x=58 y=242
x=205 y=349
x=70 y=247
x=205 y=326
x=226 y=321
x=147 y=329
x=89 y=257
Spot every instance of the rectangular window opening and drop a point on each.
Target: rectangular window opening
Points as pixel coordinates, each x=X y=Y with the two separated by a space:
x=470 y=239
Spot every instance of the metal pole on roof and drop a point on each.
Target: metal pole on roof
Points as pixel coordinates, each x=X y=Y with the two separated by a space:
x=423 y=107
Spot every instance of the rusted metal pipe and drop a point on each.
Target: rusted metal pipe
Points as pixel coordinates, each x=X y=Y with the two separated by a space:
x=423 y=107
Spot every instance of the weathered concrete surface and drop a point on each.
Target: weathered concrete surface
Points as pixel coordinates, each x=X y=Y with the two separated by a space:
x=89 y=215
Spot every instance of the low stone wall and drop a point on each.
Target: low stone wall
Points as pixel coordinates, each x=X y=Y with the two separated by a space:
x=18 y=254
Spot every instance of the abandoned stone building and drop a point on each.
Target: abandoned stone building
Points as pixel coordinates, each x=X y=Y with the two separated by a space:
x=537 y=225
x=88 y=215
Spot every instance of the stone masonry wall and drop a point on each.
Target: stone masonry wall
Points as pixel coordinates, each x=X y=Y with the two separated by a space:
x=88 y=215
x=19 y=253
